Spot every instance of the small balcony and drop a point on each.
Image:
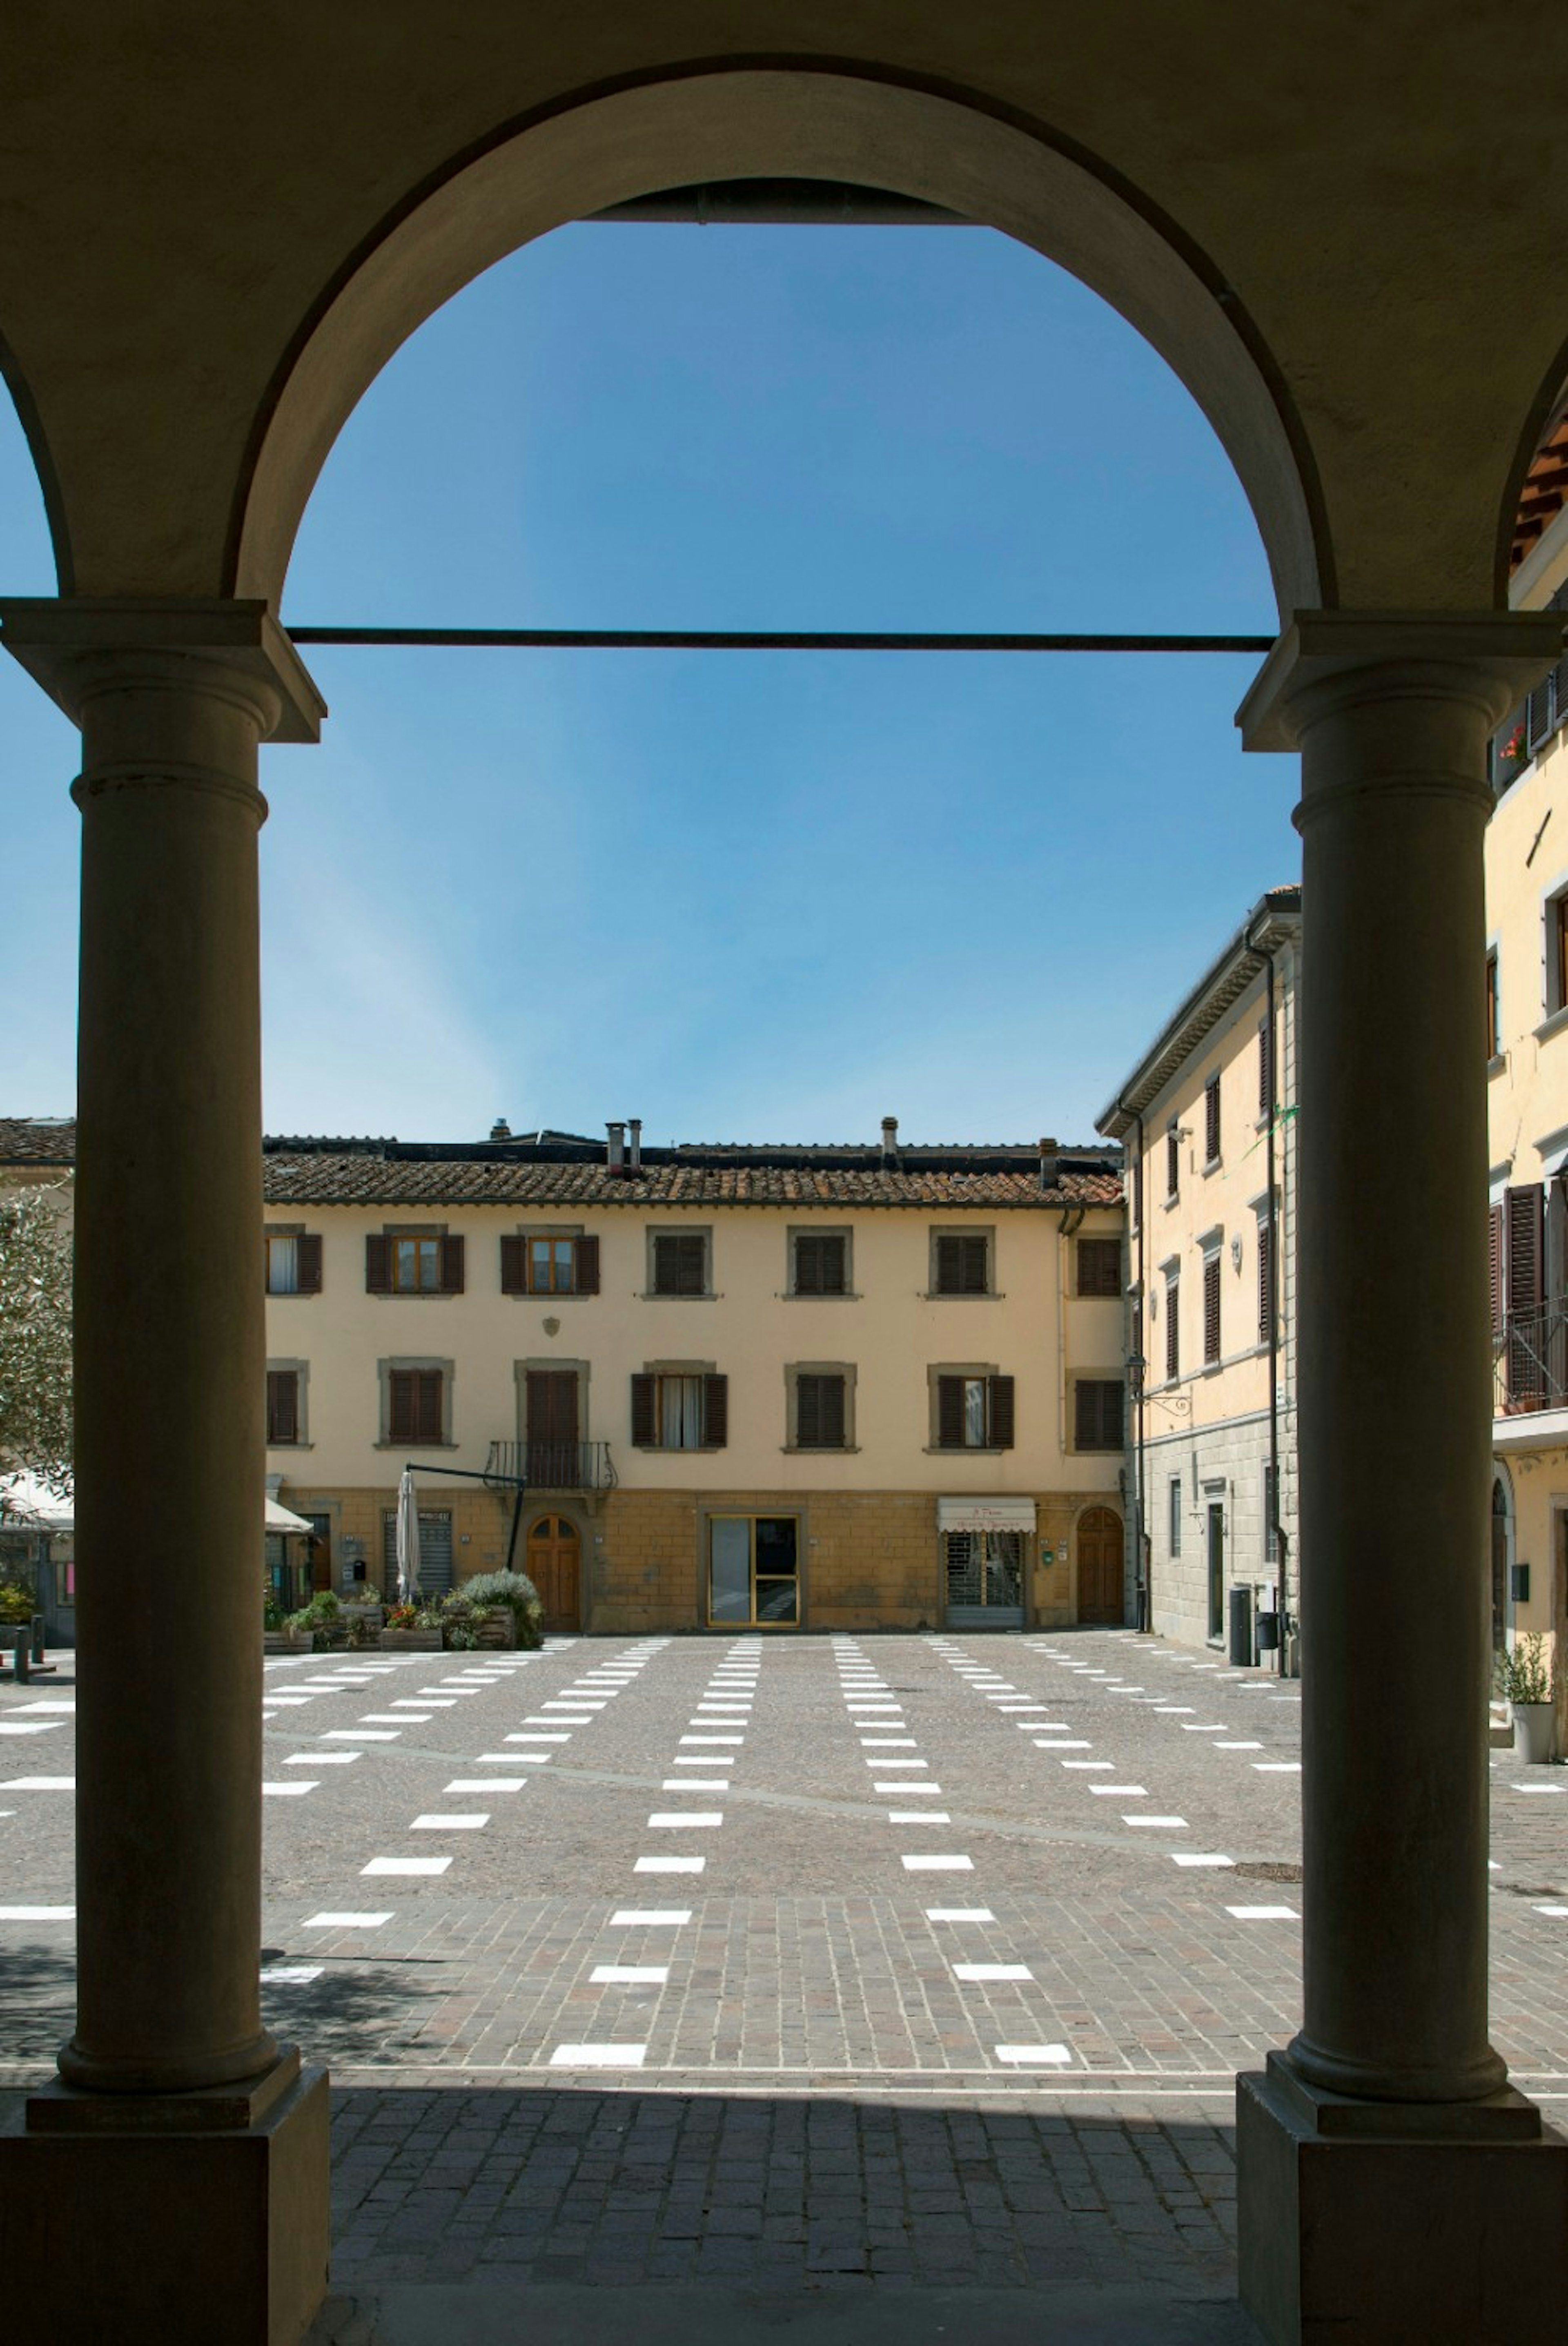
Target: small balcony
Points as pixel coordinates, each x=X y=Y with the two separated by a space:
x=551 y=1466
x=1530 y=1363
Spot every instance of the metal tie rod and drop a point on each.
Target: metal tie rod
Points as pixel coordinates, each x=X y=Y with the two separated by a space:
x=712 y=640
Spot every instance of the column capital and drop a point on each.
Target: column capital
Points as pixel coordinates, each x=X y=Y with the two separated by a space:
x=75 y=646
x=1497 y=654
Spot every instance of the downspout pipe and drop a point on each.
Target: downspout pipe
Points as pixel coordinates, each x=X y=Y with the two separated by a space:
x=1144 y=1542
x=1281 y=1545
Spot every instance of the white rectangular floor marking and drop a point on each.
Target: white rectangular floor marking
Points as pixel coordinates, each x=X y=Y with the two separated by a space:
x=898 y=1764
x=933 y=1791
x=1264 y=1914
x=406 y=1865
x=1208 y=1729
x=1066 y=1743
x=991 y=1971
x=40 y=1784
x=918 y=1817
x=283 y=1792
x=539 y=1735
x=713 y=1739
x=883 y=1742
x=1120 y=1791
x=322 y=1759
x=959 y=1914
x=362 y=1734
x=290 y=1974
x=1158 y=1824
x=395 y=1717
x=674 y=1819
x=1199 y=1857
x=1033 y=2055
x=1540 y=1909
x=669 y=1865
x=598 y=2056
x=652 y=1918
x=695 y=1784
x=30 y=1726
x=424 y=1702
x=939 y=1864
x=629 y=1974
x=1236 y=1747
x=68 y=1914
x=1088 y=1763
x=1275 y=1767
x=485 y=1784
x=346 y=1921
x=433 y=1823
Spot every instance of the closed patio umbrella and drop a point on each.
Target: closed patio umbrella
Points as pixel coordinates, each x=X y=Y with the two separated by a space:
x=407 y=1540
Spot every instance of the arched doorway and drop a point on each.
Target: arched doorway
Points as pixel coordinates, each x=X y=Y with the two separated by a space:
x=1502 y=1542
x=1100 y=1587
x=555 y=1566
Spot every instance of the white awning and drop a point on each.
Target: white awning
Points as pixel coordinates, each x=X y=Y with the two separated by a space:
x=279 y=1519
x=985 y=1515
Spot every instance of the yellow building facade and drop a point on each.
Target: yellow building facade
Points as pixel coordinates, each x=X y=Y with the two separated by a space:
x=1208 y=1117
x=1527 y=1013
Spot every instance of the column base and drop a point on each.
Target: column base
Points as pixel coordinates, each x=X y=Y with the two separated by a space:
x=133 y=2227
x=1372 y=2224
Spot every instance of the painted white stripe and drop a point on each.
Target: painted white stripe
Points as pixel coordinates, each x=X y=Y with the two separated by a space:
x=629 y=1974
x=1540 y=1909
x=898 y=1764
x=361 y=1735
x=659 y=1918
x=1199 y=1857
x=918 y=1817
x=1158 y=1824
x=959 y=1914
x=433 y=1823
x=485 y=1784
x=406 y=1865
x=30 y=1726
x=1293 y=1768
x=933 y=1791
x=40 y=1784
x=537 y=1738
x=598 y=2056
x=883 y=1742
x=713 y=1739
x=1066 y=1743
x=696 y=1784
x=37 y=1710
x=347 y=1921
x=1088 y=1763
x=991 y=1971
x=395 y=1717
x=1023 y=2056
x=290 y=1974
x=673 y=1820
x=1264 y=1914
x=322 y=1759
x=669 y=1865
x=1120 y=1791
x=68 y=1914
x=284 y=1792
x=1236 y=1747
x=423 y=1702
x=939 y=1865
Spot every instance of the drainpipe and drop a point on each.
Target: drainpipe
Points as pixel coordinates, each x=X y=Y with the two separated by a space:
x=1144 y=1544
x=1276 y=1219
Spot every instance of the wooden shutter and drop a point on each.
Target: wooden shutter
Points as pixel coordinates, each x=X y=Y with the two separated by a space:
x=399 y=1405
x=378 y=1265
x=1494 y=1263
x=818 y=1412
x=1525 y=1286
x=1173 y=1328
x=1099 y=1267
x=961 y=1263
x=586 y=1267
x=1173 y=1162
x=998 y=1413
x=1211 y=1309
x=427 y=1404
x=1097 y=1413
x=715 y=1413
x=308 y=1258
x=413 y=1411
x=550 y=1400
x=680 y=1262
x=1085 y=1414
x=1211 y=1118
x=950 y=1413
x=643 y=1398
x=451 y=1266
x=819 y=1264
x=514 y=1266
x=1265 y=1282
x=282 y=1405
x=1265 y=1066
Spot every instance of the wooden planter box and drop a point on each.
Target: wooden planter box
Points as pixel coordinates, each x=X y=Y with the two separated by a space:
x=282 y=1641
x=497 y=1627
x=411 y=1641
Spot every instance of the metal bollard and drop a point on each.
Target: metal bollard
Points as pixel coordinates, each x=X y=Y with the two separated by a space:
x=19 y=1658
x=37 y=1637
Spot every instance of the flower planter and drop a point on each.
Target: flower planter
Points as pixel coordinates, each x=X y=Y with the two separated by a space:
x=411 y=1641
x=282 y=1641
x=1533 y=1732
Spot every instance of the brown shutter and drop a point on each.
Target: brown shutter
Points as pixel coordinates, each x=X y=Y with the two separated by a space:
x=588 y=1266
x=1265 y=1066
x=961 y=1264
x=641 y=1412
x=1265 y=1282
x=818 y=1263
x=820 y=1412
x=998 y=1413
x=399 y=1405
x=1211 y=1118
x=1211 y=1309
x=550 y=1400
x=1494 y=1260
x=1085 y=1415
x=1173 y=1328
x=427 y=1404
x=282 y=1405
x=715 y=1413
x=514 y=1266
x=680 y=1260
x=950 y=1413
x=1099 y=1266
x=1524 y=1210
x=378 y=1265
x=308 y=1256
x=1173 y=1162
x=451 y=1266
x=1097 y=1413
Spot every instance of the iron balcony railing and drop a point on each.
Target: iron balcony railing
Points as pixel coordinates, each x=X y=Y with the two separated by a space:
x=551 y=1466
x=1530 y=1367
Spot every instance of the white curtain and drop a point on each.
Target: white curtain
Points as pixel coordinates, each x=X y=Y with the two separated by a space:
x=974 y=1412
x=283 y=1266
x=680 y=1404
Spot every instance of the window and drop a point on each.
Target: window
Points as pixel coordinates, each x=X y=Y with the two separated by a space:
x=818 y=1262
x=1266 y=1320
x=753 y=1569
x=678 y=1262
x=548 y=1262
x=1100 y=1267
x=679 y=1409
x=961 y=1263
x=974 y=1410
x=1211 y=1120
x=1557 y=953
x=1097 y=1413
x=1264 y=1066
x=819 y=1408
x=415 y=1403
x=1210 y=1310
x=293 y=1262
x=415 y=1262
x=1173 y=1503
x=1173 y=1160
x=552 y=1427
x=283 y=1414
x=1493 y=1009
x=1173 y=1330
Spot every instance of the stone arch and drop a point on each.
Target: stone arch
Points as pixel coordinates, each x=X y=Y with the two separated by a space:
x=804 y=123
x=1501 y=1534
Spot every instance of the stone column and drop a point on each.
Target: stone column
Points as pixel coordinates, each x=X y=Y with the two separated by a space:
x=173 y=700
x=1392 y=716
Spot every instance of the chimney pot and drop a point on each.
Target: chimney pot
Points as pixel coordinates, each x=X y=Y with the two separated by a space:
x=615 y=1155
x=635 y=1127
x=889 y=1139
x=1050 y=1164
x=501 y=1129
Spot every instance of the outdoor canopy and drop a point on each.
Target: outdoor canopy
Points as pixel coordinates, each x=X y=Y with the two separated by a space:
x=985 y=1515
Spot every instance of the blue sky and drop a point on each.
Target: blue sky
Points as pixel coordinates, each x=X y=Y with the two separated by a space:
x=766 y=897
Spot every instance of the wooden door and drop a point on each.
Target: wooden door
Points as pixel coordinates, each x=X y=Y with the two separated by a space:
x=320 y=1549
x=1100 y=1597
x=555 y=1566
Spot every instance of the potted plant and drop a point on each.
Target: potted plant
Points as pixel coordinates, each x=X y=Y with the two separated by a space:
x=1524 y=1676
x=410 y=1629
x=509 y=1598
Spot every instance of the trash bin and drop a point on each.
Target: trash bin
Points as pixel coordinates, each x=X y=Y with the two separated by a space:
x=1240 y=1627
x=1268 y=1633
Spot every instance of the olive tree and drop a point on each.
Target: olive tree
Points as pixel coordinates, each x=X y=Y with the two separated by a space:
x=36 y=1335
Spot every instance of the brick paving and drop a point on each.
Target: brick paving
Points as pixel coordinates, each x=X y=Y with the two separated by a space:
x=811 y=2090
